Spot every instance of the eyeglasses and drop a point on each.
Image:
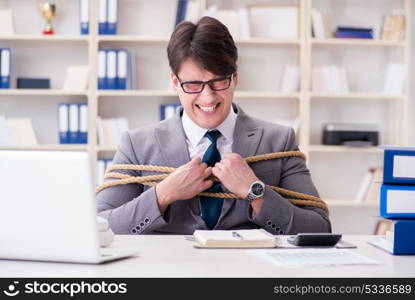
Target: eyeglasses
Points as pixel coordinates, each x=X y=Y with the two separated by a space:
x=216 y=84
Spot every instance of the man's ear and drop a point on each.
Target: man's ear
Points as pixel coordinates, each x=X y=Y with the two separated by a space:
x=235 y=79
x=174 y=82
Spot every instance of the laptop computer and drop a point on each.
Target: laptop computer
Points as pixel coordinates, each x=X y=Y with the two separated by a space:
x=48 y=208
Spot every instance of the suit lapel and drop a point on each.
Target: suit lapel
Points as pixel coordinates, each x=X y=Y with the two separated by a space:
x=172 y=142
x=246 y=139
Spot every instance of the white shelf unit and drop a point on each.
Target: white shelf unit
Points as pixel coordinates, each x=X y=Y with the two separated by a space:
x=258 y=95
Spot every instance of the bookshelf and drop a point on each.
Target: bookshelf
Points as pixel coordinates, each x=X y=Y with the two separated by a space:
x=41 y=56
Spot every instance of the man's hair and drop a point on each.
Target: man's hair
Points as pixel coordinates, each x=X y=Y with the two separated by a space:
x=208 y=43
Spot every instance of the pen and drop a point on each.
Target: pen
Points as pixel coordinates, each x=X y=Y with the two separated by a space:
x=237 y=235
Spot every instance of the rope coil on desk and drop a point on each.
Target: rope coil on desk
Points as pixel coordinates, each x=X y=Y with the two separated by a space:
x=295 y=198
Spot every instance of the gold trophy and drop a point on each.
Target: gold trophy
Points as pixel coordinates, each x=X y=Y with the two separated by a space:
x=48 y=10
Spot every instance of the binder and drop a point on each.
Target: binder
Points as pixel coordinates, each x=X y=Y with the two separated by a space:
x=73 y=123
x=5 y=67
x=84 y=16
x=397 y=201
x=402 y=239
x=63 y=116
x=399 y=165
x=111 y=69
x=83 y=123
x=112 y=17
x=122 y=66
x=168 y=110
x=102 y=17
x=102 y=69
x=181 y=11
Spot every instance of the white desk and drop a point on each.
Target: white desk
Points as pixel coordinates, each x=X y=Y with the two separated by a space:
x=173 y=256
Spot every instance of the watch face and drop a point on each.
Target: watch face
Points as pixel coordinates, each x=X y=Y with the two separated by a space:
x=257 y=189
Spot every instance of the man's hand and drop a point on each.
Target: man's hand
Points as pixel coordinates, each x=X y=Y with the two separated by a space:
x=235 y=174
x=184 y=183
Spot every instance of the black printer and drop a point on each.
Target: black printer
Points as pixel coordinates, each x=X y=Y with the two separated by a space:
x=351 y=134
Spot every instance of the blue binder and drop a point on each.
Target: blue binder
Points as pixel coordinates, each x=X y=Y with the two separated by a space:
x=102 y=70
x=403 y=238
x=74 y=123
x=181 y=11
x=63 y=121
x=5 y=67
x=111 y=69
x=83 y=123
x=102 y=16
x=122 y=69
x=112 y=17
x=397 y=201
x=399 y=166
x=84 y=16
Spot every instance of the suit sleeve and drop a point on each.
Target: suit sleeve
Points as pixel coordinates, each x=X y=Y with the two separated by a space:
x=279 y=216
x=129 y=209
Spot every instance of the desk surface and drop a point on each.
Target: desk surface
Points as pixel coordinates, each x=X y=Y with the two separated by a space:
x=174 y=256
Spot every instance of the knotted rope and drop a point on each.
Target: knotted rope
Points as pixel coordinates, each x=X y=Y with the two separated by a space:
x=295 y=198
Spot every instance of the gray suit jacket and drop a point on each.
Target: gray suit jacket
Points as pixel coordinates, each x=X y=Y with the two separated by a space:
x=133 y=208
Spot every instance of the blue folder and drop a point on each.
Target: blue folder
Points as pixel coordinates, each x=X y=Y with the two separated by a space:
x=390 y=174
x=397 y=201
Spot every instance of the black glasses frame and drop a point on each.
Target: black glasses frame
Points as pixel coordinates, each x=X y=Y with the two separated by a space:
x=203 y=83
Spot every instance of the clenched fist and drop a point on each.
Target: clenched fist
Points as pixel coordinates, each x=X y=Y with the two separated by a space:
x=184 y=183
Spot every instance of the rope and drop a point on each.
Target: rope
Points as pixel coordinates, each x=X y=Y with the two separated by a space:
x=295 y=198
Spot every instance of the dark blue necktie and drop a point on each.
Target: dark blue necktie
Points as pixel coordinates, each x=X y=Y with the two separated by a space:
x=211 y=207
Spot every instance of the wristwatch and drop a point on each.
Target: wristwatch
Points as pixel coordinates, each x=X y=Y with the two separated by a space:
x=256 y=190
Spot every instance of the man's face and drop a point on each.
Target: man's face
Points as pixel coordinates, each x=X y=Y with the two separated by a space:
x=209 y=108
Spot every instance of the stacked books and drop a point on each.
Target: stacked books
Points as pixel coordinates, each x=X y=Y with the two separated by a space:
x=353 y=32
x=397 y=200
x=73 y=123
x=115 y=69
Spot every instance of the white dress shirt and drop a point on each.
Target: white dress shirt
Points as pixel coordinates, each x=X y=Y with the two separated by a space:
x=197 y=142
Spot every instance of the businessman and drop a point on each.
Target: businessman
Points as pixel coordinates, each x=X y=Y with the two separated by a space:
x=210 y=135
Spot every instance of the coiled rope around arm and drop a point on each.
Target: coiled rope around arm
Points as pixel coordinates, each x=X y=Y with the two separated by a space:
x=294 y=197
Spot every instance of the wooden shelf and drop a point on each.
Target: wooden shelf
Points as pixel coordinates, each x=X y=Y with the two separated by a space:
x=132 y=39
x=325 y=148
x=374 y=96
x=167 y=93
x=165 y=40
x=45 y=38
x=136 y=93
x=268 y=41
x=270 y=95
x=41 y=92
x=75 y=147
x=356 y=42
